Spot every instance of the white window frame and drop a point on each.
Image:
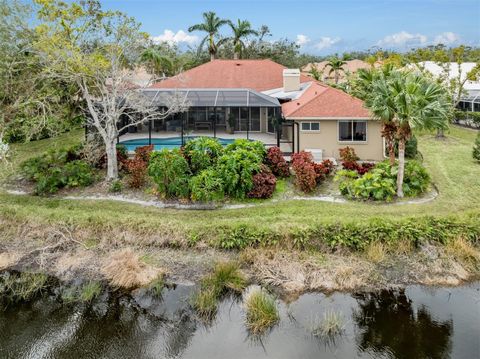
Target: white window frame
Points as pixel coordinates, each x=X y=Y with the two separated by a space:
x=310 y=125
x=352 y=140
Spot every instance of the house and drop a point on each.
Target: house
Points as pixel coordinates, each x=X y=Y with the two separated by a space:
x=350 y=67
x=260 y=100
x=470 y=99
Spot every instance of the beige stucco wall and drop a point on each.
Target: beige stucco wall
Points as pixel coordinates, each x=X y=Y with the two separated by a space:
x=327 y=140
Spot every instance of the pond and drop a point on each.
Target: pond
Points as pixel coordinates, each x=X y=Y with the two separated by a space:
x=417 y=322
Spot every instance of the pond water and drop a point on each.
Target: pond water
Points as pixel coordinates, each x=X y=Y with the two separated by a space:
x=417 y=322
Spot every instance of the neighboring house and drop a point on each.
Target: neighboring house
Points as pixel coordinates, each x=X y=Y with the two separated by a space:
x=350 y=67
x=470 y=100
x=261 y=100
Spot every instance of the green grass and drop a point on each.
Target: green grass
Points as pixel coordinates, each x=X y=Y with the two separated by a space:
x=23 y=287
x=262 y=312
x=90 y=291
x=225 y=277
x=449 y=162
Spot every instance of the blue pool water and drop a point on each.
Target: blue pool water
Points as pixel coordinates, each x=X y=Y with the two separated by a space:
x=161 y=143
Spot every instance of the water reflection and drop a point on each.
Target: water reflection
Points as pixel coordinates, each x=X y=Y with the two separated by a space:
x=396 y=324
x=390 y=325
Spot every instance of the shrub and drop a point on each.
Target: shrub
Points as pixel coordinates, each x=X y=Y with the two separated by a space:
x=360 y=168
x=116 y=186
x=348 y=154
x=137 y=173
x=376 y=184
x=262 y=312
x=323 y=169
x=277 y=163
x=206 y=186
x=264 y=184
x=56 y=169
x=202 y=152
x=143 y=153
x=416 y=179
x=380 y=182
x=170 y=171
x=236 y=169
x=256 y=147
x=77 y=173
x=305 y=175
x=476 y=149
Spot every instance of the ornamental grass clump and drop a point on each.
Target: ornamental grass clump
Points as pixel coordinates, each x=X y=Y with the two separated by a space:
x=261 y=311
x=225 y=278
x=331 y=326
x=24 y=286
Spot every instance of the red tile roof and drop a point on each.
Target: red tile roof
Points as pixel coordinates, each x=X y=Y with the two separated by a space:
x=318 y=100
x=259 y=75
x=323 y=101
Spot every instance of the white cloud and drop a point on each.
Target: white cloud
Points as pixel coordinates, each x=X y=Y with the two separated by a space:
x=402 y=39
x=326 y=42
x=175 y=38
x=302 y=39
x=446 y=38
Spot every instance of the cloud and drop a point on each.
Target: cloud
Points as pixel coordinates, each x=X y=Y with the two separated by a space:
x=446 y=38
x=302 y=39
x=326 y=42
x=403 y=39
x=175 y=38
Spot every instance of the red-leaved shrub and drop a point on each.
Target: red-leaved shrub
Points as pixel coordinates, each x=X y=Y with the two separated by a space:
x=349 y=161
x=264 y=184
x=137 y=167
x=348 y=154
x=305 y=175
x=323 y=169
x=277 y=163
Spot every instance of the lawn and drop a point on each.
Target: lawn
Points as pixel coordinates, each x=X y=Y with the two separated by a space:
x=449 y=161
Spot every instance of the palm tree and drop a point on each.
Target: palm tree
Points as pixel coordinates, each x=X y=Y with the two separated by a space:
x=211 y=25
x=413 y=102
x=240 y=30
x=157 y=63
x=315 y=72
x=336 y=65
x=362 y=88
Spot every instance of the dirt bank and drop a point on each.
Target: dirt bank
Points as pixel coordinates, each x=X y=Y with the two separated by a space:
x=69 y=253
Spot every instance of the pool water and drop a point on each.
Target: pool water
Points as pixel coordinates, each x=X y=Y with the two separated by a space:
x=161 y=143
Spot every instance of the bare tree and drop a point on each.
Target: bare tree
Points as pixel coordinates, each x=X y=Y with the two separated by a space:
x=98 y=51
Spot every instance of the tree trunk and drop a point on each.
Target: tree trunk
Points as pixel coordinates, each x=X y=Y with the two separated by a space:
x=401 y=166
x=212 y=56
x=336 y=77
x=112 y=164
x=236 y=55
x=391 y=152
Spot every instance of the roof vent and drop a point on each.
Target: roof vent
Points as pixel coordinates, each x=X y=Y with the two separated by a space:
x=238 y=64
x=291 y=80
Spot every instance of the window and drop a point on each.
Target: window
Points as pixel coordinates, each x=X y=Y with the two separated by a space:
x=352 y=131
x=310 y=126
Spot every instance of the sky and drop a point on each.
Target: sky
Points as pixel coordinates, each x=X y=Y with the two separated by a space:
x=320 y=27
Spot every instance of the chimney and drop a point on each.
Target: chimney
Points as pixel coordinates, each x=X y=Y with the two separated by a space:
x=291 y=80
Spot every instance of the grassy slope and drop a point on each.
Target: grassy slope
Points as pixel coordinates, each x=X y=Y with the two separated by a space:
x=450 y=163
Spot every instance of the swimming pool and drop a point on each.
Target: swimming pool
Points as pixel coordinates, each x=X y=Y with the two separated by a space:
x=161 y=143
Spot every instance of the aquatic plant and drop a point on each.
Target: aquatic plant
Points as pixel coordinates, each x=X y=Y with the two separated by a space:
x=24 y=286
x=331 y=326
x=157 y=285
x=225 y=277
x=261 y=309
x=90 y=291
